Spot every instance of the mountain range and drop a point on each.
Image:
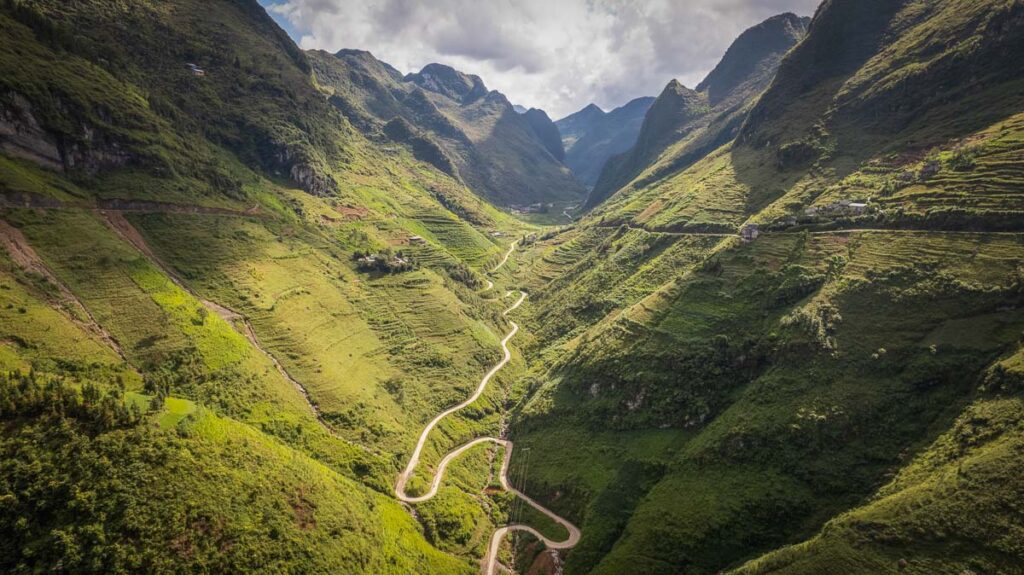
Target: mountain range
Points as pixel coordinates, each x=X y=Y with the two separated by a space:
x=683 y=124
x=591 y=136
x=455 y=123
x=265 y=309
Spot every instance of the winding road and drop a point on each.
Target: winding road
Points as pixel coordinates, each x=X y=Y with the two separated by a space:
x=511 y=248
x=490 y=560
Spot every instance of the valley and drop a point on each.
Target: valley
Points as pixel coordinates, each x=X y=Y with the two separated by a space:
x=305 y=313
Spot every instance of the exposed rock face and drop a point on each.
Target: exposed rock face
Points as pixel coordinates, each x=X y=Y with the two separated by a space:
x=449 y=82
x=21 y=135
x=546 y=131
x=304 y=171
x=454 y=123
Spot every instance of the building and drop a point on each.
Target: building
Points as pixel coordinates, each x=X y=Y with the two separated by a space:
x=857 y=207
x=196 y=70
x=749 y=232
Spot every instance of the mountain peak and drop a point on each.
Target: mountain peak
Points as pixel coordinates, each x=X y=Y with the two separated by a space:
x=366 y=61
x=344 y=52
x=546 y=131
x=676 y=91
x=757 y=48
x=450 y=82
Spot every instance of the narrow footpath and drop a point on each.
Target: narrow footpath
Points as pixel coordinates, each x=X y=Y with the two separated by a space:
x=489 y=564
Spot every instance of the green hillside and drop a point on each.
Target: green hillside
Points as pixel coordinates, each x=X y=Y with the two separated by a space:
x=199 y=371
x=239 y=280
x=815 y=390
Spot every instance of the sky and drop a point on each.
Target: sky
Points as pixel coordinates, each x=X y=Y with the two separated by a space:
x=558 y=55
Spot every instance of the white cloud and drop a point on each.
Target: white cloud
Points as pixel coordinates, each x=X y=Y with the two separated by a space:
x=559 y=55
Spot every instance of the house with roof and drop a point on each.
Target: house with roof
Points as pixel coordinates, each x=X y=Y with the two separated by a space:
x=749 y=232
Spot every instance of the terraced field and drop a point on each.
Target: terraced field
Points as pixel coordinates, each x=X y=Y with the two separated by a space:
x=186 y=348
x=368 y=348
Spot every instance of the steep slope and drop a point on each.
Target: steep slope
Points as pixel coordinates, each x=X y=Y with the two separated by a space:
x=834 y=395
x=951 y=510
x=510 y=158
x=592 y=136
x=134 y=87
x=685 y=125
x=547 y=131
x=225 y=252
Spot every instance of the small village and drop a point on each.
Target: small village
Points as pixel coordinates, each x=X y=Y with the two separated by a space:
x=537 y=208
x=384 y=261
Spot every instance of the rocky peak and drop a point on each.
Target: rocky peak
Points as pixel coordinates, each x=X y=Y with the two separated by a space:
x=366 y=62
x=450 y=82
x=675 y=107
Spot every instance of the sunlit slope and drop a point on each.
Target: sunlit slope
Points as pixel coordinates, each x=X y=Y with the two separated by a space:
x=195 y=240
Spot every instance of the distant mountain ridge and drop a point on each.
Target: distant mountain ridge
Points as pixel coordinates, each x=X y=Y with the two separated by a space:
x=591 y=136
x=695 y=122
x=459 y=126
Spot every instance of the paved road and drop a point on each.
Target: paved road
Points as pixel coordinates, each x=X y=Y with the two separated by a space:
x=403 y=478
x=511 y=249
x=490 y=561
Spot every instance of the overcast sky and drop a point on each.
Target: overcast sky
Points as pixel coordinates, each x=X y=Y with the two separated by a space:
x=559 y=55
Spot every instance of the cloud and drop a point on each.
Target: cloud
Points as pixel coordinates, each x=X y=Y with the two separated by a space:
x=559 y=55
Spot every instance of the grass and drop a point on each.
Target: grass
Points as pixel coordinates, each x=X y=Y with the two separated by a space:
x=945 y=512
x=212 y=493
x=407 y=345
x=813 y=401
x=861 y=333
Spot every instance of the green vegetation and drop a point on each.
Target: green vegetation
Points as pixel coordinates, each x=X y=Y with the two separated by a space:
x=93 y=488
x=201 y=369
x=216 y=303
x=793 y=377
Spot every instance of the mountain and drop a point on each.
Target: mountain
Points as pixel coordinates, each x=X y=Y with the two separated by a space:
x=546 y=130
x=591 y=136
x=510 y=158
x=574 y=125
x=798 y=352
x=240 y=281
x=225 y=310
x=698 y=121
